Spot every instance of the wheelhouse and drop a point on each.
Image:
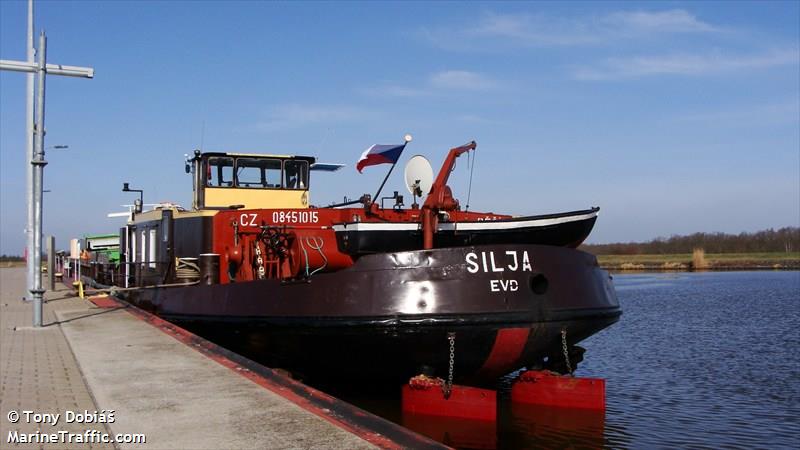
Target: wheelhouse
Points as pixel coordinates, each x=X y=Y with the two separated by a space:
x=249 y=181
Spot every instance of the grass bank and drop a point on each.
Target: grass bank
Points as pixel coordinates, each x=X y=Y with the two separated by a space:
x=713 y=261
x=7 y=264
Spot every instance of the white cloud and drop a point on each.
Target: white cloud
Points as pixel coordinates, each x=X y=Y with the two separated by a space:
x=472 y=118
x=684 y=64
x=781 y=112
x=671 y=21
x=540 y=30
x=390 y=90
x=461 y=79
x=533 y=30
x=295 y=115
x=452 y=80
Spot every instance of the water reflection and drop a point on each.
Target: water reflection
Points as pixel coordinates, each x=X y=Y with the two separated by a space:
x=454 y=432
x=521 y=426
x=534 y=426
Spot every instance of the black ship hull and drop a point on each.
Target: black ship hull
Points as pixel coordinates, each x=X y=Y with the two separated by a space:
x=390 y=314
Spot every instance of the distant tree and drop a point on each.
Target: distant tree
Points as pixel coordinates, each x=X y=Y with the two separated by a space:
x=785 y=239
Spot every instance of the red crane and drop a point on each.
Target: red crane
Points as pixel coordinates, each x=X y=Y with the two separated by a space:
x=440 y=198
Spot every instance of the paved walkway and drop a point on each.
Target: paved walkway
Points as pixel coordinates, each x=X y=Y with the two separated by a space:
x=38 y=371
x=90 y=359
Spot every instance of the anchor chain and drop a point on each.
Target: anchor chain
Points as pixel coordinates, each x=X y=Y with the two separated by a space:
x=447 y=387
x=565 y=350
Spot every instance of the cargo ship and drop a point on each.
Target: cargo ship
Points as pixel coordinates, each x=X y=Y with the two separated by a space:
x=362 y=289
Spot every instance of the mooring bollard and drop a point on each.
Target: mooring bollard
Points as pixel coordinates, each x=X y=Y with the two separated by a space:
x=209 y=268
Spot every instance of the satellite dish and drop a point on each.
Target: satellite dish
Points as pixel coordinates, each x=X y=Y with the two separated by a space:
x=419 y=176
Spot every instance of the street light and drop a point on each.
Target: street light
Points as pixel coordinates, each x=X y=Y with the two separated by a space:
x=137 y=204
x=34 y=152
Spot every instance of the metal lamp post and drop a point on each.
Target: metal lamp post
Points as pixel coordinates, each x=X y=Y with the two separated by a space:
x=137 y=207
x=36 y=157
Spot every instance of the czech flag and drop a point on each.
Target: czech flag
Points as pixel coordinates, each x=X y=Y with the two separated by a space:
x=380 y=154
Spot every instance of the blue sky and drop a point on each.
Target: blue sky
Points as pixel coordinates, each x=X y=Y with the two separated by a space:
x=673 y=117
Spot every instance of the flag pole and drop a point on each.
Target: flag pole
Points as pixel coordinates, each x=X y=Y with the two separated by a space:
x=407 y=139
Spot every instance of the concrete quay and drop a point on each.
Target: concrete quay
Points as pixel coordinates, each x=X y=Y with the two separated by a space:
x=147 y=378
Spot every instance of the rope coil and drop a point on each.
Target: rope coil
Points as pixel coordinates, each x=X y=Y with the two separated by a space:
x=187 y=269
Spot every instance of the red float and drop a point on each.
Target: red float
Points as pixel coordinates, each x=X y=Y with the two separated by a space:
x=547 y=388
x=424 y=395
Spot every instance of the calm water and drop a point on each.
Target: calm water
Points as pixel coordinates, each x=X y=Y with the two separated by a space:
x=697 y=360
x=702 y=359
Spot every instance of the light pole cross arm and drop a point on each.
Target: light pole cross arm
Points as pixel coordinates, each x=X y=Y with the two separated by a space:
x=52 y=69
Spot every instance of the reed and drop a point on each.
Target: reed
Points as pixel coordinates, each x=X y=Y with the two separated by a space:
x=699 y=259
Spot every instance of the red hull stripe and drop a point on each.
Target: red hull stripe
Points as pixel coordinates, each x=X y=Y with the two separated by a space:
x=376 y=430
x=507 y=349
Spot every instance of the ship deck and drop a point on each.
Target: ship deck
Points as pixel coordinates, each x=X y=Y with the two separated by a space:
x=174 y=388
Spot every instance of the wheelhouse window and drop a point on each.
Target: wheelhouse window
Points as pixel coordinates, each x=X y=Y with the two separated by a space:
x=219 y=171
x=258 y=173
x=296 y=174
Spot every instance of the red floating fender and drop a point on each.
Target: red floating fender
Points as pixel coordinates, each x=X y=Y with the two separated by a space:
x=424 y=396
x=546 y=388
